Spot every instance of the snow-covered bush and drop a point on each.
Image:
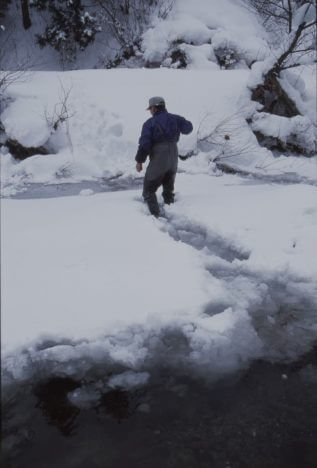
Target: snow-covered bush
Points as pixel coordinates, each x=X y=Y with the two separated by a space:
x=225 y=139
x=177 y=42
x=129 y=56
x=127 y=20
x=227 y=58
x=285 y=121
x=177 y=57
x=279 y=12
x=70 y=26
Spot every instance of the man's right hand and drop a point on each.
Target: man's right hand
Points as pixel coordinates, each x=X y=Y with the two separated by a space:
x=138 y=167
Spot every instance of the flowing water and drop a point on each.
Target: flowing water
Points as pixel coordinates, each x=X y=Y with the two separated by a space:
x=262 y=417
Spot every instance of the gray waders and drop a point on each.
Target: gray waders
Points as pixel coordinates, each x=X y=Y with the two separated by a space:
x=160 y=171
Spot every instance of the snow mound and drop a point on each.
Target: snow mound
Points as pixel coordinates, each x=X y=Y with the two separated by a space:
x=129 y=380
x=24 y=121
x=229 y=33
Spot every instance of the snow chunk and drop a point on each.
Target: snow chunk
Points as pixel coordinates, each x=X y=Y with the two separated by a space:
x=201 y=57
x=129 y=380
x=85 y=397
x=86 y=192
x=184 y=28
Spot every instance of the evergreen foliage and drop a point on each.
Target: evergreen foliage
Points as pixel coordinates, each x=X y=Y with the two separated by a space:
x=71 y=25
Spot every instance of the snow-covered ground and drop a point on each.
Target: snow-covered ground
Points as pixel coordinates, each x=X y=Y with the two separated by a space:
x=229 y=272
x=229 y=275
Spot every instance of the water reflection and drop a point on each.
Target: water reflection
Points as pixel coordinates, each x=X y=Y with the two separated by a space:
x=262 y=418
x=52 y=401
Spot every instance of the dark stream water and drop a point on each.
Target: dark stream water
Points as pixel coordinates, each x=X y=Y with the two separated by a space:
x=264 y=417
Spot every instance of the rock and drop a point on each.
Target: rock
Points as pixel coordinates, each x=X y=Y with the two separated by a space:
x=21 y=152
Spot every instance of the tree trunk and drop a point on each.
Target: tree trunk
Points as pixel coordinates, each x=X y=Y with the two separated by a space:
x=290 y=17
x=26 y=14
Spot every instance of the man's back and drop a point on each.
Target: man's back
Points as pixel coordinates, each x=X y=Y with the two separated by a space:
x=163 y=126
x=172 y=126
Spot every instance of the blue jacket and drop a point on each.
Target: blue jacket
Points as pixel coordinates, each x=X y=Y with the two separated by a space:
x=163 y=126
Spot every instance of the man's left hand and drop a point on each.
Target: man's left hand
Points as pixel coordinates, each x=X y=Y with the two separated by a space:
x=138 y=167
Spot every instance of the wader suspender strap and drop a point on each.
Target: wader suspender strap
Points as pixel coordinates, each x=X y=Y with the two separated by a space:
x=161 y=130
x=163 y=133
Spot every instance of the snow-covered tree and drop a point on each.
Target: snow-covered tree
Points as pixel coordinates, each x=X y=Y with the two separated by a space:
x=275 y=88
x=71 y=25
x=26 y=19
x=282 y=12
x=128 y=19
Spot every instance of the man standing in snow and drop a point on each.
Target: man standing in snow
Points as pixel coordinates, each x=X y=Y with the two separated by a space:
x=159 y=138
